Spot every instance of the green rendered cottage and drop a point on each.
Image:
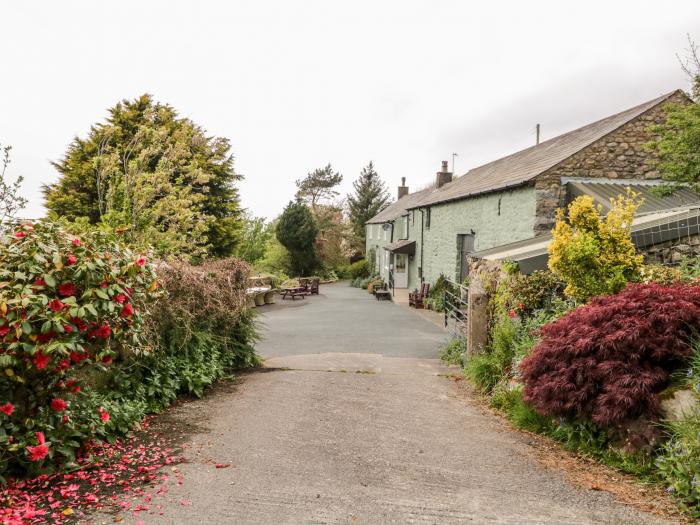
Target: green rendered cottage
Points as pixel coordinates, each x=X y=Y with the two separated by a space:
x=514 y=200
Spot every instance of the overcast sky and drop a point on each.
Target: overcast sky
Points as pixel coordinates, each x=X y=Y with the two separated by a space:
x=298 y=84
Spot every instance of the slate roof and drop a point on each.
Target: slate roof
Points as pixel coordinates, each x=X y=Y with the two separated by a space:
x=400 y=207
x=521 y=167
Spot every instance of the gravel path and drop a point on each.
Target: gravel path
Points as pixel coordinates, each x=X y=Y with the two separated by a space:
x=355 y=421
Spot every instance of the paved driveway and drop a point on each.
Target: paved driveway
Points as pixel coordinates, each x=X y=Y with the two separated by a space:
x=345 y=319
x=355 y=422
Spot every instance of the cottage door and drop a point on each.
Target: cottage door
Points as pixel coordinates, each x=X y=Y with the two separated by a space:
x=400 y=270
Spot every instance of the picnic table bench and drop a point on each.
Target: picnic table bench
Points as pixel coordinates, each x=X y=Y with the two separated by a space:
x=293 y=292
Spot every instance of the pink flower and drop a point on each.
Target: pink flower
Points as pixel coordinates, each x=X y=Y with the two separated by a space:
x=104 y=284
x=76 y=242
x=20 y=234
x=41 y=439
x=71 y=259
x=7 y=409
x=127 y=311
x=41 y=361
x=104 y=415
x=67 y=289
x=38 y=452
x=141 y=261
x=56 y=305
x=511 y=314
x=58 y=404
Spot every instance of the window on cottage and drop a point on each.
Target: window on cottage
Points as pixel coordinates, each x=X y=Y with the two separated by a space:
x=427 y=218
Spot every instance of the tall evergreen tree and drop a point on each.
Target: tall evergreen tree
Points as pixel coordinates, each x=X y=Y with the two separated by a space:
x=370 y=197
x=296 y=230
x=154 y=174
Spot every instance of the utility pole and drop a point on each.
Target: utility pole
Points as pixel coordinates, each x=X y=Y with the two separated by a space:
x=453 y=162
x=537 y=131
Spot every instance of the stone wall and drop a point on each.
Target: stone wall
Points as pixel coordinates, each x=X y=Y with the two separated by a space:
x=620 y=155
x=672 y=252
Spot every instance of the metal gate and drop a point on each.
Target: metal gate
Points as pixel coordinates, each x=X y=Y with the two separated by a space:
x=456 y=308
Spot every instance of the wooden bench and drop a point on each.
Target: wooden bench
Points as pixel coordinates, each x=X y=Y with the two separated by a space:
x=382 y=294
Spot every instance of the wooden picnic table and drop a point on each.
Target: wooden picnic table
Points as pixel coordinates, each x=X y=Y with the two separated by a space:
x=293 y=292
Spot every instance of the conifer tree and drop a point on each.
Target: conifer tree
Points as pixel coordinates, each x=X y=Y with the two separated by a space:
x=155 y=175
x=370 y=197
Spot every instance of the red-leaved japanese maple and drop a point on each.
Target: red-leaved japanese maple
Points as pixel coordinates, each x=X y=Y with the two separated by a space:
x=607 y=361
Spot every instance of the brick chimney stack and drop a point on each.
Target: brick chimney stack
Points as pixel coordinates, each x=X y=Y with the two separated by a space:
x=443 y=176
x=403 y=189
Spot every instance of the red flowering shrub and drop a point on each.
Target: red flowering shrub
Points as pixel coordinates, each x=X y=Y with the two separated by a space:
x=607 y=361
x=66 y=303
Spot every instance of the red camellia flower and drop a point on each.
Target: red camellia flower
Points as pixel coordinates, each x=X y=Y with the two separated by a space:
x=63 y=364
x=73 y=385
x=511 y=314
x=7 y=409
x=45 y=338
x=141 y=261
x=107 y=360
x=76 y=242
x=58 y=404
x=79 y=323
x=103 y=331
x=41 y=439
x=120 y=298
x=39 y=282
x=56 y=305
x=104 y=284
x=65 y=419
x=67 y=289
x=127 y=311
x=67 y=328
x=71 y=259
x=104 y=415
x=4 y=330
x=41 y=361
x=38 y=452
x=520 y=306
x=20 y=234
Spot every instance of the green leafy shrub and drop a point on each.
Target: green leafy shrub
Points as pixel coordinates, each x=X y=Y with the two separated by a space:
x=68 y=305
x=359 y=269
x=436 y=295
x=679 y=459
x=527 y=293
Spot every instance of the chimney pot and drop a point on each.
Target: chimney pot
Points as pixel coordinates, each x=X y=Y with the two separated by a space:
x=443 y=176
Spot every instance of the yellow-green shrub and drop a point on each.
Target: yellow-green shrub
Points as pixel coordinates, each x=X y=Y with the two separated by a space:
x=594 y=255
